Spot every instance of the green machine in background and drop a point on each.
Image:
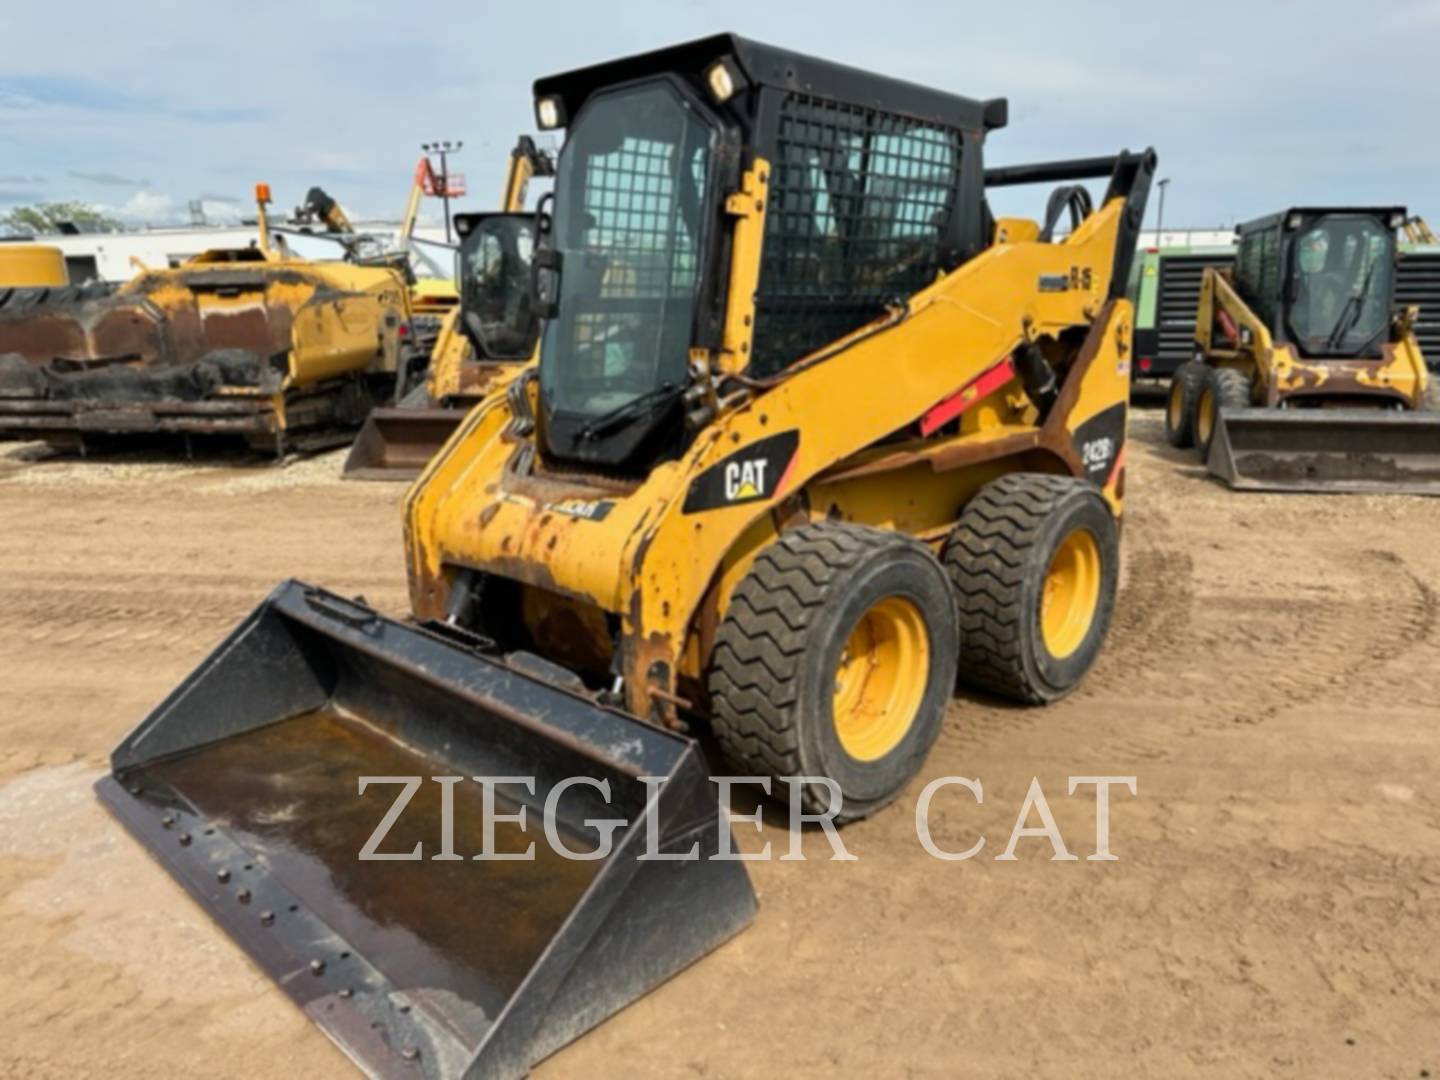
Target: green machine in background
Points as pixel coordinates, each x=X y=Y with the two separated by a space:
x=1165 y=287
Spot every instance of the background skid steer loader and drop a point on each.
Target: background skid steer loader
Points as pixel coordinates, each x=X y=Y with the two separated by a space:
x=475 y=346
x=783 y=463
x=1305 y=378
x=245 y=342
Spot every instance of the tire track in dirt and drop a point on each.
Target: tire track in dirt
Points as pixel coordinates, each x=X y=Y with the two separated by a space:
x=1344 y=626
x=1353 y=646
x=1152 y=617
x=120 y=619
x=109 y=625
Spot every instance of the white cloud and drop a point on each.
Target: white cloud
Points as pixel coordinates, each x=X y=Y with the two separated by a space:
x=1237 y=138
x=147 y=207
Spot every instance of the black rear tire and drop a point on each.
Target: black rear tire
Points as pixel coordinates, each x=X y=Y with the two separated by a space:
x=779 y=653
x=1180 y=403
x=1224 y=389
x=1000 y=557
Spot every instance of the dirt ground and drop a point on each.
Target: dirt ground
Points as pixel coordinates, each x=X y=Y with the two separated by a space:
x=1272 y=682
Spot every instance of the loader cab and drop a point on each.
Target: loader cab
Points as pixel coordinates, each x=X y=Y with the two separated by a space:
x=1322 y=279
x=875 y=186
x=493 y=270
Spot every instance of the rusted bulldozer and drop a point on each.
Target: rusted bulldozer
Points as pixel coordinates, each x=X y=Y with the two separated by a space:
x=288 y=354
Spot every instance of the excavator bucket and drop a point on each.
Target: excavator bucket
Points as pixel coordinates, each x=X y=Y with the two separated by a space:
x=1328 y=450
x=249 y=785
x=397 y=442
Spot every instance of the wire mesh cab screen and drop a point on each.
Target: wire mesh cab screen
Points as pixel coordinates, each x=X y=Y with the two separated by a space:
x=630 y=227
x=860 y=201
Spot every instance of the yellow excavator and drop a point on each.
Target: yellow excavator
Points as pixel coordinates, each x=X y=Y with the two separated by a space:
x=1306 y=377
x=397 y=441
x=247 y=342
x=809 y=432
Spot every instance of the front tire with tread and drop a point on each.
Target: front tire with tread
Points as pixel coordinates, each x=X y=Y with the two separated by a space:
x=1229 y=388
x=1180 y=404
x=772 y=673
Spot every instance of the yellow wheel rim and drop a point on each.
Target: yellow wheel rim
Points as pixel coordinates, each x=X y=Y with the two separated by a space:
x=1205 y=421
x=881 y=679
x=1176 y=406
x=1072 y=593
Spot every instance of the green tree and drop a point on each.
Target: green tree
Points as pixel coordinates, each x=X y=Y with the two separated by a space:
x=47 y=217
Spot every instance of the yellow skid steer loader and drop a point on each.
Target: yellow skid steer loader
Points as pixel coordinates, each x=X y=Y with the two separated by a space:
x=473 y=346
x=809 y=432
x=1305 y=378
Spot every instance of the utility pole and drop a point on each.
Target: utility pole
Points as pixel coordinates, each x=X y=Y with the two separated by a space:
x=444 y=148
x=1160 y=217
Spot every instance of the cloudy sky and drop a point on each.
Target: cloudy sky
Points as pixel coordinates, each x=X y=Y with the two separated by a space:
x=142 y=106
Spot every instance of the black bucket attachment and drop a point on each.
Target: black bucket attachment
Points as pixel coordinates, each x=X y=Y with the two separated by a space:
x=245 y=784
x=396 y=443
x=1328 y=450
